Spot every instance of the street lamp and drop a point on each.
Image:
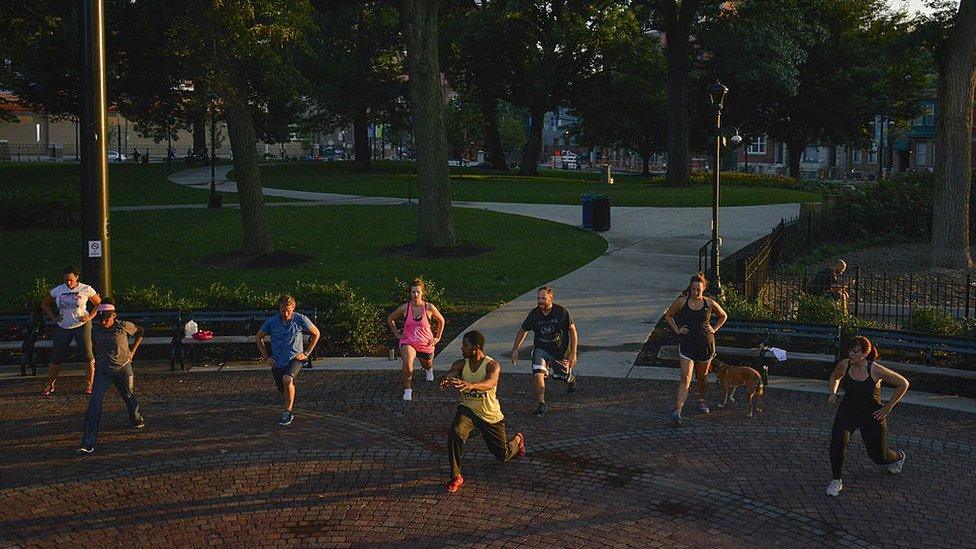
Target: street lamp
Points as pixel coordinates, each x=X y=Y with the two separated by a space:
x=716 y=94
x=215 y=201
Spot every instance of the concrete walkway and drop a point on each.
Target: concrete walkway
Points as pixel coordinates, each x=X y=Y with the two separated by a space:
x=617 y=298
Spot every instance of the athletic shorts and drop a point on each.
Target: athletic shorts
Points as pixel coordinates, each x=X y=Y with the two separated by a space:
x=426 y=357
x=61 y=341
x=548 y=365
x=292 y=370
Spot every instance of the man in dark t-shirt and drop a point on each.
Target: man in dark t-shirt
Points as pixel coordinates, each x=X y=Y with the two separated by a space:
x=113 y=366
x=827 y=282
x=554 y=345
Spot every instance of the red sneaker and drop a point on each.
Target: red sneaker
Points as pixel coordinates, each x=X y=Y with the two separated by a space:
x=47 y=390
x=88 y=390
x=454 y=485
x=521 y=445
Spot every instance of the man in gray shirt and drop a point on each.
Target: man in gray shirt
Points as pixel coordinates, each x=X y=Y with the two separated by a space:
x=113 y=366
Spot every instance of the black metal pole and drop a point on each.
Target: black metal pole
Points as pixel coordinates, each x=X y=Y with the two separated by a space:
x=96 y=263
x=216 y=201
x=716 y=243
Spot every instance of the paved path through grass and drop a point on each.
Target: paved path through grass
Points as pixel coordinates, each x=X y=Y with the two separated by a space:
x=617 y=298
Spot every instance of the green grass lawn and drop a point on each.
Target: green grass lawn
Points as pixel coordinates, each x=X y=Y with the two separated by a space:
x=129 y=184
x=551 y=187
x=168 y=248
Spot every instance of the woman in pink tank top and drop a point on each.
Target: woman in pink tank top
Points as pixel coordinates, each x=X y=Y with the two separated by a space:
x=417 y=339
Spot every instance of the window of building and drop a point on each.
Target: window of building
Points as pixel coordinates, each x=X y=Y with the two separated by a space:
x=922 y=153
x=811 y=154
x=757 y=145
x=857 y=157
x=929 y=115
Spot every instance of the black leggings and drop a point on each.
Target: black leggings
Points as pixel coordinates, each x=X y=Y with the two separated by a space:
x=874 y=433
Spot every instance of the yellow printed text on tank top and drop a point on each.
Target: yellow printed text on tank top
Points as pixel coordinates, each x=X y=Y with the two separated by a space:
x=483 y=403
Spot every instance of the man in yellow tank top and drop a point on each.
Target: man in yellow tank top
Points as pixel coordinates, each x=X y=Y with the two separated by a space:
x=476 y=377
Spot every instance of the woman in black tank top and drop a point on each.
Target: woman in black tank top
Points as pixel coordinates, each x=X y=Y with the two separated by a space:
x=690 y=317
x=861 y=409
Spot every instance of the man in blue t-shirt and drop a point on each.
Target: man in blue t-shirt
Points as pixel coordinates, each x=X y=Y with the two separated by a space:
x=287 y=332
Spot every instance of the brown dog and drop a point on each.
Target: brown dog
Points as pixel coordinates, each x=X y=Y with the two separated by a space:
x=731 y=377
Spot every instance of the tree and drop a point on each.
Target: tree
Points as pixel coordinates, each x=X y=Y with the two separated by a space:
x=420 y=21
x=624 y=105
x=475 y=64
x=677 y=18
x=355 y=66
x=954 y=45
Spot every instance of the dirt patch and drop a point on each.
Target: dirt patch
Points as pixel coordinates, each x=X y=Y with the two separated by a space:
x=465 y=249
x=273 y=260
x=905 y=258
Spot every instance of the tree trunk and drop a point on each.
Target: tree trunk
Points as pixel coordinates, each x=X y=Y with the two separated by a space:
x=493 y=137
x=360 y=134
x=950 y=209
x=198 y=121
x=427 y=100
x=745 y=151
x=677 y=24
x=832 y=161
x=646 y=157
x=533 y=145
x=243 y=139
x=795 y=151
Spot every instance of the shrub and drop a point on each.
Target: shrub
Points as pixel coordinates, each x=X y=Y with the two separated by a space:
x=815 y=309
x=433 y=292
x=152 y=298
x=746 y=180
x=35 y=295
x=350 y=324
x=737 y=307
x=221 y=297
x=932 y=321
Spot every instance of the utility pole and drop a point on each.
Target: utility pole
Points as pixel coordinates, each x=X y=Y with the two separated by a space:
x=96 y=263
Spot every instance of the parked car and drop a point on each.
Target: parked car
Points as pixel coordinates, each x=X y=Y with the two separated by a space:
x=114 y=156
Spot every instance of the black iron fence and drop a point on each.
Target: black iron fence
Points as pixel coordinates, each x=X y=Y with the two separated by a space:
x=882 y=298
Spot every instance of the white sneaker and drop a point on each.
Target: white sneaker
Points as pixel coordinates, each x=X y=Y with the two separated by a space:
x=408 y=394
x=834 y=488
x=896 y=466
x=430 y=374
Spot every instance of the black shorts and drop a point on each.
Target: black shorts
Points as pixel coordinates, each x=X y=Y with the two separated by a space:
x=292 y=370
x=548 y=365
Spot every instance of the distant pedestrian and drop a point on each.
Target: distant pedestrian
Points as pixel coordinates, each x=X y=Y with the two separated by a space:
x=287 y=332
x=554 y=345
x=690 y=317
x=417 y=339
x=861 y=376
x=113 y=367
x=72 y=323
x=476 y=377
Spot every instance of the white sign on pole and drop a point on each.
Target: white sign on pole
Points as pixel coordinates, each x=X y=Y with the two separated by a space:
x=94 y=248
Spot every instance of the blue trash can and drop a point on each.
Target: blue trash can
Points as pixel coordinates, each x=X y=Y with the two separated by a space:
x=587 y=202
x=600 y=212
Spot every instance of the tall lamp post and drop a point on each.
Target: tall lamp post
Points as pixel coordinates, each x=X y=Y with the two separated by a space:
x=716 y=93
x=215 y=201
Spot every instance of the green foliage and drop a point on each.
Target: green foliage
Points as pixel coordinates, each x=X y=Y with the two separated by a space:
x=349 y=323
x=36 y=294
x=149 y=298
x=433 y=293
x=747 y=180
x=218 y=296
x=933 y=321
x=737 y=307
x=816 y=309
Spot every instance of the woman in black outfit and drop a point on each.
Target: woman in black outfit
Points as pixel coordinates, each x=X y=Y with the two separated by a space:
x=690 y=317
x=861 y=408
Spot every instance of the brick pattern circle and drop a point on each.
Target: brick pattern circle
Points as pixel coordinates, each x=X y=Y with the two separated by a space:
x=359 y=467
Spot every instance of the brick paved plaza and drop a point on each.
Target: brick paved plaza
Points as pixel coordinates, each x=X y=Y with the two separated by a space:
x=360 y=467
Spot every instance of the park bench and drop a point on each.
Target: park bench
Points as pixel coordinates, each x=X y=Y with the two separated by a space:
x=162 y=328
x=926 y=345
x=767 y=333
x=17 y=334
x=229 y=328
